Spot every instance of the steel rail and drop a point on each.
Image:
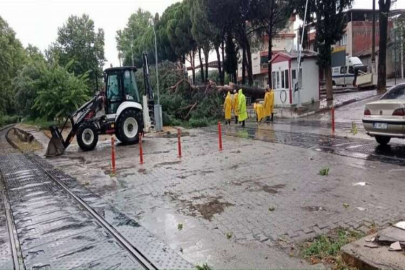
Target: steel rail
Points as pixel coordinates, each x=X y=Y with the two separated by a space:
x=147 y=264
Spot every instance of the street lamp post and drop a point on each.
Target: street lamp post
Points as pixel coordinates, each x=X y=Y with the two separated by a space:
x=156 y=66
x=158 y=107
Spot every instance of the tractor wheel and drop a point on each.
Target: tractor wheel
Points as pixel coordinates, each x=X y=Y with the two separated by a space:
x=129 y=126
x=87 y=136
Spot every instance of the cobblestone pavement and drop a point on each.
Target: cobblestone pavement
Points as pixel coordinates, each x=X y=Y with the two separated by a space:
x=257 y=193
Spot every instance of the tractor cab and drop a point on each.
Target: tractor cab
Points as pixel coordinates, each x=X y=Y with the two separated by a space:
x=120 y=87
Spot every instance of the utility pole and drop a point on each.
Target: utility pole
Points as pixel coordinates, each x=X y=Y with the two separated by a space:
x=157 y=107
x=132 y=55
x=300 y=56
x=395 y=52
x=373 y=39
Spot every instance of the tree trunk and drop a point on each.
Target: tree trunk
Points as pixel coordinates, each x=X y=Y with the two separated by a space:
x=206 y=55
x=243 y=66
x=219 y=65
x=192 y=56
x=329 y=85
x=223 y=62
x=382 y=54
x=269 y=56
x=201 y=65
x=249 y=63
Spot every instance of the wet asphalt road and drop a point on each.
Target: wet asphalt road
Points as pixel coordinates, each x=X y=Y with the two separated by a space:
x=305 y=133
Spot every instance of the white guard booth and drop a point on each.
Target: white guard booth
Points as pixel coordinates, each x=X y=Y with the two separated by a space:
x=284 y=78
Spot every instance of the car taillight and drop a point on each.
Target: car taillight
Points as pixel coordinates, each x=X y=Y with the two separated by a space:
x=399 y=112
x=367 y=112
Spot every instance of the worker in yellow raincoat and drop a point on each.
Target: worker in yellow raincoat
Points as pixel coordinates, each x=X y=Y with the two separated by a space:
x=228 y=108
x=269 y=104
x=242 y=108
x=259 y=110
x=235 y=105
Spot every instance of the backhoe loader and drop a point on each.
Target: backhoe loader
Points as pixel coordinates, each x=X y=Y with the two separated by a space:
x=118 y=110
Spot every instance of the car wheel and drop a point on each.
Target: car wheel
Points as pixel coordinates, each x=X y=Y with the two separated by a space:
x=87 y=136
x=382 y=140
x=129 y=126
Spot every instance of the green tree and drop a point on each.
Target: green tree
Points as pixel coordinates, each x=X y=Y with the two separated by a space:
x=330 y=25
x=78 y=41
x=59 y=92
x=270 y=17
x=24 y=83
x=231 y=58
x=179 y=31
x=12 y=58
x=235 y=17
x=136 y=38
x=384 y=12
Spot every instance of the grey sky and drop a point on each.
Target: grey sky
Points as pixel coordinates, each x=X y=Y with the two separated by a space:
x=36 y=21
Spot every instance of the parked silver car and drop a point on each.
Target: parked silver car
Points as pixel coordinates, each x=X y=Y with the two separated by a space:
x=385 y=119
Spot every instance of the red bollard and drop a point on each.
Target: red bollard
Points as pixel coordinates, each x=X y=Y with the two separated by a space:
x=113 y=154
x=333 y=118
x=140 y=149
x=179 y=141
x=220 y=136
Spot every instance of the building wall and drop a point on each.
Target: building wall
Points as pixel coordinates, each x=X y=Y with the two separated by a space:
x=283 y=41
x=310 y=88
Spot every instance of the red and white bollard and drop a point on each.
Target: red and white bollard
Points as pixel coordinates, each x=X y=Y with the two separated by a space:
x=179 y=142
x=220 y=136
x=333 y=119
x=140 y=149
x=112 y=154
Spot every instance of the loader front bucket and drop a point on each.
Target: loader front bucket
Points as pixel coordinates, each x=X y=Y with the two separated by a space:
x=56 y=145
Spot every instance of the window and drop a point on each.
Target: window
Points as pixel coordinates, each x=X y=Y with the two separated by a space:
x=273 y=80
x=282 y=80
x=113 y=93
x=278 y=79
x=287 y=83
x=397 y=92
x=294 y=74
x=351 y=70
x=343 y=70
x=336 y=70
x=130 y=88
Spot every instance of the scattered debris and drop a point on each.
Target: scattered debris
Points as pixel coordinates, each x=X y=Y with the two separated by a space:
x=371 y=245
x=181 y=250
x=372 y=239
x=400 y=225
x=346 y=205
x=87 y=183
x=361 y=209
x=203 y=267
x=326 y=248
x=324 y=172
x=180 y=226
x=354 y=130
x=271 y=209
x=395 y=247
x=360 y=184
x=229 y=235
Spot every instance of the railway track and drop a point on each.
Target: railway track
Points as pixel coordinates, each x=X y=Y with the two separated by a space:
x=54 y=222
